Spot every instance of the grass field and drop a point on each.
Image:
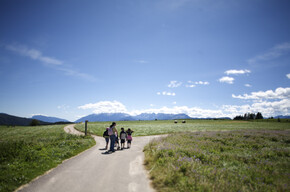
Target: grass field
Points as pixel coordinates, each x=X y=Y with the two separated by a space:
x=246 y=160
x=142 y=128
x=201 y=155
x=27 y=152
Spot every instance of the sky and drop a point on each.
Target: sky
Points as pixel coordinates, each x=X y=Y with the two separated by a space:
x=204 y=58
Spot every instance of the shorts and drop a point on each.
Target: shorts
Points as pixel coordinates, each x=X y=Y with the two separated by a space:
x=122 y=140
x=107 y=140
x=129 y=141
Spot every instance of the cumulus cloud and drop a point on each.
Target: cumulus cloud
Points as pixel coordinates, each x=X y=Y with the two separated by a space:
x=279 y=93
x=226 y=79
x=288 y=75
x=174 y=84
x=248 y=85
x=275 y=52
x=269 y=102
x=267 y=108
x=237 y=72
x=105 y=107
x=191 y=111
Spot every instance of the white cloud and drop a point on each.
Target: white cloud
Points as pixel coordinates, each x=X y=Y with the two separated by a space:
x=275 y=52
x=166 y=93
x=33 y=54
x=174 y=103
x=269 y=103
x=288 y=75
x=237 y=72
x=202 y=83
x=226 y=79
x=105 y=107
x=174 y=84
x=192 y=112
x=248 y=85
x=192 y=84
x=267 y=108
x=279 y=93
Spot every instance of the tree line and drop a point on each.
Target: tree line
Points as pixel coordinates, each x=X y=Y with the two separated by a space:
x=249 y=116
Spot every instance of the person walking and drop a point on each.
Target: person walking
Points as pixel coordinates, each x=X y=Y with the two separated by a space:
x=129 y=137
x=123 y=136
x=112 y=131
x=107 y=137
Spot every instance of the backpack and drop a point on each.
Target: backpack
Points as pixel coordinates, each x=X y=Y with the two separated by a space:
x=110 y=131
x=105 y=134
x=123 y=135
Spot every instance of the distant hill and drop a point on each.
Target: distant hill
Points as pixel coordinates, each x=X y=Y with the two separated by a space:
x=160 y=116
x=282 y=117
x=11 y=120
x=48 y=119
x=127 y=117
x=106 y=117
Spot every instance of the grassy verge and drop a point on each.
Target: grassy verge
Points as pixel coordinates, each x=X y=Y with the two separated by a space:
x=27 y=152
x=244 y=160
x=142 y=128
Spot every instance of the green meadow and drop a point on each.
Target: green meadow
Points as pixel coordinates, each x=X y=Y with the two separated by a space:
x=143 y=128
x=243 y=160
x=27 y=152
x=199 y=155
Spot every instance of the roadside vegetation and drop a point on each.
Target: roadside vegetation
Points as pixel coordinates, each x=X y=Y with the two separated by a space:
x=143 y=128
x=27 y=152
x=242 y=160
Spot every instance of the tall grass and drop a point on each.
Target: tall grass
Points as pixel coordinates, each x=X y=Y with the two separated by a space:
x=245 y=160
x=26 y=152
x=142 y=128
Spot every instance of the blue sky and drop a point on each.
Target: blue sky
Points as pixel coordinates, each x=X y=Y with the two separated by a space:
x=205 y=58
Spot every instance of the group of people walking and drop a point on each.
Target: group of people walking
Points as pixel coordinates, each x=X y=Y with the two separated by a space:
x=111 y=134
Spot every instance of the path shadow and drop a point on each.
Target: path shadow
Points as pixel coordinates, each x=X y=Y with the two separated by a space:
x=102 y=149
x=107 y=153
x=110 y=152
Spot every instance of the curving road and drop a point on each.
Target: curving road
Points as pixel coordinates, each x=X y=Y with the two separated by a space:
x=94 y=170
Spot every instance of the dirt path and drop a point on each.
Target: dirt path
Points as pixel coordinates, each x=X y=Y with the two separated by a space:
x=93 y=170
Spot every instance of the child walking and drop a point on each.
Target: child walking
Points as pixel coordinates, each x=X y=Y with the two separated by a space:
x=117 y=144
x=129 y=137
x=123 y=136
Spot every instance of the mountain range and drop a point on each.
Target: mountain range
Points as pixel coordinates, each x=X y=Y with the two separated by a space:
x=6 y=119
x=48 y=119
x=11 y=120
x=127 y=117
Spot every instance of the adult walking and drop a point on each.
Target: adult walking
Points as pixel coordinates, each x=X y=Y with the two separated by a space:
x=112 y=133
